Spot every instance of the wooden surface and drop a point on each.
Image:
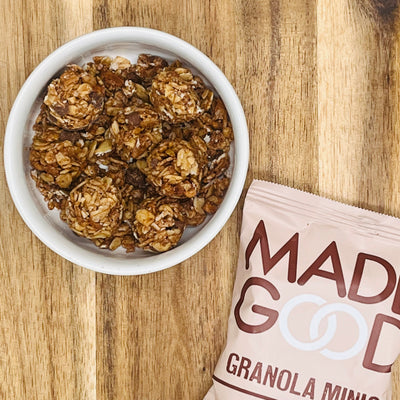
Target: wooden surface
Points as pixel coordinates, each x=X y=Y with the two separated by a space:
x=320 y=86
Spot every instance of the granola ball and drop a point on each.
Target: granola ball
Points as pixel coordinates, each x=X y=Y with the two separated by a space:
x=135 y=131
x=216 y=168
x=121 y=80
x=148 y=66
x=214 y=193
x=52 y=194
x=174 y=168
x=58 y=163
x=157 y=226
x=45 y=131
x=215 y=129
x=112 y=71
x=178 y=96
x=192 y=212
x=123 y=236
x=75 y=99
x=215 y=118
x=94 y=208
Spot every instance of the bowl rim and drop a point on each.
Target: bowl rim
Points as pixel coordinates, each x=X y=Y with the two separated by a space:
x=14 y=163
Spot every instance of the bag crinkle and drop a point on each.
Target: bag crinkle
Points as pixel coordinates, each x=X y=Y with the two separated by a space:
x=316 y=303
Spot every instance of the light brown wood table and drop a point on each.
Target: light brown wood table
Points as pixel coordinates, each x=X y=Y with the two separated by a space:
x=319 y=82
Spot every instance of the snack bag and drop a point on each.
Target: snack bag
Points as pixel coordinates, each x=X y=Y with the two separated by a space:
x=316 y=303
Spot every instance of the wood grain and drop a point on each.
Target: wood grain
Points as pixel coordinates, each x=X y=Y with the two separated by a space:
x=319 y=83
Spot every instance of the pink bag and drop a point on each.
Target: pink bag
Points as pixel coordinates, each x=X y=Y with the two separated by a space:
x=316 y=304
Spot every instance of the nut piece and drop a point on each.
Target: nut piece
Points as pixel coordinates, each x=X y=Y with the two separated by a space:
x=174 y=168
x=94 y=209
x=157 y=226
x=75 y=99
x=135 y=130
x=178 y=96
x=134 y=89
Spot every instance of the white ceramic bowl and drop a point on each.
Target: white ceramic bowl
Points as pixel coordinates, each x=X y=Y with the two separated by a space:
x=45 y=224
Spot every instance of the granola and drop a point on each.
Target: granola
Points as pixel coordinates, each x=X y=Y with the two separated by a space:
x=174 y=168
x=94 y=208
x=75 y=99
x=135 y=130
x=178 y=96
x=157 y=225
x=148 y=66
x=131 y=154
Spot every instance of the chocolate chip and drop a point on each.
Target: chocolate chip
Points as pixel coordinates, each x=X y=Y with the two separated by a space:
x=179 y=224
x=96 y=99
x=61 y=109
x=131 y=76
x=133 y=119
x=135 y=178
x=153 y=61
x=69 y=135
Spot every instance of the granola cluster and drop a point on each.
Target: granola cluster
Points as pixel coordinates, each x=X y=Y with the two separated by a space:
x=131 y=154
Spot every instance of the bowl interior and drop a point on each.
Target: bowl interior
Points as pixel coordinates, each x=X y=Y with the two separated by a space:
x=47 y=224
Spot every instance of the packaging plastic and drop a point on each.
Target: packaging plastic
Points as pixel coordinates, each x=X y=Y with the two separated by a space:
x=316 y=302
